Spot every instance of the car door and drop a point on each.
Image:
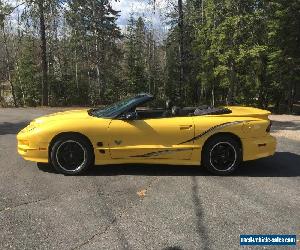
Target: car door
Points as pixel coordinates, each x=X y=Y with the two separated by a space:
x=151 y=138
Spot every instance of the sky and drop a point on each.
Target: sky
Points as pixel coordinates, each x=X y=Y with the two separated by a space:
x=138 y=7
x=153 y=14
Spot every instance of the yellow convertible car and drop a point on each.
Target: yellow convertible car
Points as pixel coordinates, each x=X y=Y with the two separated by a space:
x=129 y=132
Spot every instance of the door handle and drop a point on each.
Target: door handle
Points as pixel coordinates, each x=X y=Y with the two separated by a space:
x=182 y=127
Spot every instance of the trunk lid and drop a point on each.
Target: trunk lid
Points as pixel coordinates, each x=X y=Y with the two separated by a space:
x=248 y=112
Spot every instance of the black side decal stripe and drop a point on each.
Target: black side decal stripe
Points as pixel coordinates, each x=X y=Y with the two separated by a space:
x=157 y=153
x=213 y=128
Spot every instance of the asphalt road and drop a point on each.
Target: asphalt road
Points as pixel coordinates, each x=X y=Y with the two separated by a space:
x=183 y=207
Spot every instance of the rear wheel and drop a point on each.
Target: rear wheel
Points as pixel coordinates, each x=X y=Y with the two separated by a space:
x=71 y=154
x=222 y=154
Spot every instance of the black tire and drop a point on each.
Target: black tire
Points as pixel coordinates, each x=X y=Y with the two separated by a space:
x=222 y=154
x=71 y=154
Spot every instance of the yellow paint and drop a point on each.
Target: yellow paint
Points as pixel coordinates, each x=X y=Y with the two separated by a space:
x=158 y=141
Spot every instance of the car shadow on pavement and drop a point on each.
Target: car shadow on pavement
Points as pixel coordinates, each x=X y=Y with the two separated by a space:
x=282 y=164
x=12 y=128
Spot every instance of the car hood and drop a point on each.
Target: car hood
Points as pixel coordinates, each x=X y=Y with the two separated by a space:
x=66 y=115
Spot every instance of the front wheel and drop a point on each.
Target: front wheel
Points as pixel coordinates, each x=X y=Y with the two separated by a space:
x=221 y=155
x=71 y=155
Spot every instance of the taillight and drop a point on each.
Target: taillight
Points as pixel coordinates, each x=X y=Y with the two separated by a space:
x=269 y=127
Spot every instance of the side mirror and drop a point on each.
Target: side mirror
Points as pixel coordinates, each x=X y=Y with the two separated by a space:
x=129 y=116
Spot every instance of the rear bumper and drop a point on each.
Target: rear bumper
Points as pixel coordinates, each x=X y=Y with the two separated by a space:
x=255 y=148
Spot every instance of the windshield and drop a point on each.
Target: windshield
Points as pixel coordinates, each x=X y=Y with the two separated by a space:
x=114 y=109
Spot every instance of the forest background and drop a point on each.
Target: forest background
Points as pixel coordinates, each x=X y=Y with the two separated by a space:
x=78 y=52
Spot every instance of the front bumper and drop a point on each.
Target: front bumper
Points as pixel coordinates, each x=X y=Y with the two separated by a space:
x=32 y=150
x=255 y=148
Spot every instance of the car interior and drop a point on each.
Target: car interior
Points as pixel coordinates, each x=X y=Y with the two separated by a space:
x=171 y=110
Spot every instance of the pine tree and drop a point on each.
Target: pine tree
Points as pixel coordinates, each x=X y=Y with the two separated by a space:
x=27 y=77
x=284 y=55
x=135 y=56
x=95 y=21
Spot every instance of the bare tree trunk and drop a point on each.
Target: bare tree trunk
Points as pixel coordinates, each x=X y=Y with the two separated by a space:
x=8 y=67
x=202 y=11
x=20 y=82
x=181 y=47
x=97 y=56
x=76 y=65
x=76 y=72
x=44 y=53
x=98 y=80
x=213 y=96
x=232 y=87
x=291 y=96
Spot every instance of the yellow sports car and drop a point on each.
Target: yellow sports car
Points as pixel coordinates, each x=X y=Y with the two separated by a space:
x=131 y=132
